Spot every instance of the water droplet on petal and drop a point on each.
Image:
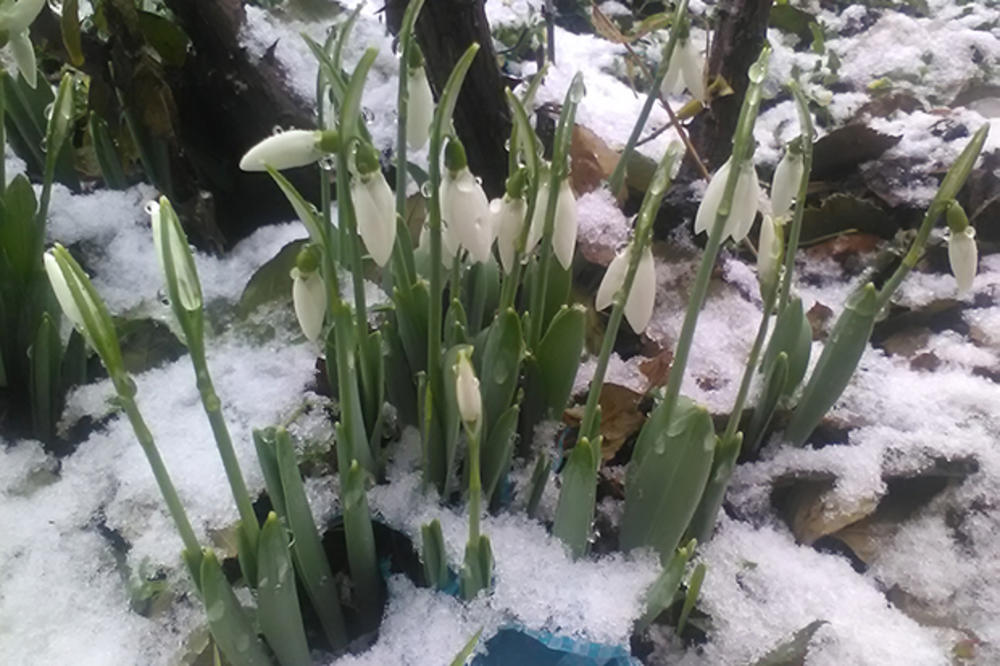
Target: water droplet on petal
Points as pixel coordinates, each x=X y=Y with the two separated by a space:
x=277 y=129
x=48 y=110
x=328 y=163
x=425 y=189
x=152 y=208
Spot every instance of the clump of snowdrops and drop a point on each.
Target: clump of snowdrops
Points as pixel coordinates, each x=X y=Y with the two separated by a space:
x=481 y=343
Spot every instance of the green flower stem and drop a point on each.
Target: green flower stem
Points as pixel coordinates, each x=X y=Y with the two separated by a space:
x=618 y=175
x=641 y=238
x=167 y=489
x=213 y=409
x=475 y=481
x=792 y=244
x=559 y=171
x=439 y=127
x=404 y=270
x=748 y=372
x=3 y=132
x=948 y=190
x=742 y=150
x=55 y=136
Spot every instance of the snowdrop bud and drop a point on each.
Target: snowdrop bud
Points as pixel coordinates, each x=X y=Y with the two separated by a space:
x=285 y=150
x=24 y=56
x=374 y=207
x=746 y=198
x=420 y=109
x=171 y=243
x=956 y=217
x=470 y=401
x=16 y=16
x=785 y=185
x=641 y=298
x=686 y=70
x=465 y=209
x=63 y=293
x=564 y=230
x=308 y=293
x=771 y=247
x=963 y=257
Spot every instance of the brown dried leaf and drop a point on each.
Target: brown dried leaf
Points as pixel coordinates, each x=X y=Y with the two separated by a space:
x=843 y=150
x=819 y=316
x=591 y=160
x=657 y=369
x=605 y=28
x=620 y=417
x=814 y=511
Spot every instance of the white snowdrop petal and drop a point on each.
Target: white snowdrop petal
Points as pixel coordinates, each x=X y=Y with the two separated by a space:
x=564 y=231
x=642 y=297
x=24 y=56
x=769 y=251
x=963 y=255
x=693 y=69
x=62 y=291
x=508 y=221
x=16 y=17
x=286 y=150
x=376 y=217
x=614 y=278
x=785 y=183
x=673 y=83
x=309 y=299
x=467 y=394
x=466 y=211
x=538 y=216
x=745 y=203
x=709 y=207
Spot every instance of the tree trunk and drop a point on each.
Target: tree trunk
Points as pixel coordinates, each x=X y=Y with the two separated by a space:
x=444 y=31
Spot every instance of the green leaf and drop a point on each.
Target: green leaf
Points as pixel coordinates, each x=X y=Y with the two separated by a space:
x=20 y=237
x=361 y=555
x=792 y=20
x=45 y=354
x=465 y=652
x=793 y=336
x=306 y=211
x=74 y=366
x=666 y=476
x=774 y=383
x=794 y=650
x=227 y=621
x=691 y=597
x=661 y=593
x=575 y=511
x=477 y=570
x=270 y=282
x=277 y=599
x=434 y=556
x=411 y=316
x=836 y=363
x=452 y=417
x=703 y=522
x=107 y=155
x=69 y=23
x=59 y=123
x=307 y=547
x=267 y=458
x=501 y=365
x=164 y=35
x=539 y=477
x=350 y=112
x=558 y=355
x=499 y=450
x=146 y=344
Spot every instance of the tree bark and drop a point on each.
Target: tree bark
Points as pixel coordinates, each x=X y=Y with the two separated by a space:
x=444 y=30
x=739 y=37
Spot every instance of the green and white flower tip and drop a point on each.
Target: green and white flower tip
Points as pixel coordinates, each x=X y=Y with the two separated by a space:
x=641 y=298
x=420 y=108
x=785 y=184
x=770 y=251
x=470 y=401
x=564 y=225
x=374 y=205
x=509 y=216
x=168 y=237
x=62 y=291
x=963 y=255
x=289 y=149
x=17 y=15
x=746 y=200
x=686 y=70
x=309 y=292
x=464 y=206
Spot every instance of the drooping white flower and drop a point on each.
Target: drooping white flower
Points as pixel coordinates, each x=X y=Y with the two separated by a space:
x=785 y=184
x=508 y=220
x=285 y=150
x=375 y=210
x=538 y=216
x=963 y=256
x=164 y=220
x=470 y=400
x=769 y=252
x=641 y=298
x=420 y=109
x=63 y=293
x=466 y=212
x=686 y=70
x=564 y=231
x=309 y=299
x=746 y=198
x=16 y=16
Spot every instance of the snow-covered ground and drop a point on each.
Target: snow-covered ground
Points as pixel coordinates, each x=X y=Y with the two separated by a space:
x=69 y=594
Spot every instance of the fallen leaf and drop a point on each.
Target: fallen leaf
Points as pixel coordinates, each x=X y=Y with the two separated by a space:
x=657 y=368
x=843 y=150
x=819 y=316
x=794 y=650
x=592 y=161
x=620 y=417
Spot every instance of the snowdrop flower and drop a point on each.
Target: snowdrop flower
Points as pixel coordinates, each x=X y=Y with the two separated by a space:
x=470 y=401
x=642 y=297
x=15 y=18
x=769 y=252
x=564 y=225
x=308 y=293
x=746 y=199
x=420 y=109
x=963 y=255
x=686 y=70
x=63 y=293
x=182 y=280
x=464 y=207
x=289 y=149
x=785 y=185
x=508 y=220
x=374 y=206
